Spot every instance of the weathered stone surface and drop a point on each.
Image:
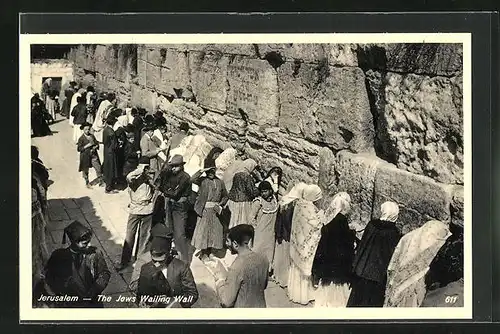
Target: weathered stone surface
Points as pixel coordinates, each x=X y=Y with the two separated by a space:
x=425 y=124
x=420 y=198
x=253 y=89
x=326 y=105
x=141 y=72
x=101 y=60
x=304 y=52
x=208 y=78
x=356 y=175
x=457 y=206
x=142 y=97
x=174 y=73
x=233 y=49
x=430 y=59
x=341 y=54
x=326 y=170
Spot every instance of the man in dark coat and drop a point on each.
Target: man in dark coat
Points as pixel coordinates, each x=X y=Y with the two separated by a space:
x=78 y=271
x=138 y=124
x=38 y=119
x=373 y=254
x=88 y=145
x=110 y=167
x=175 y=185
x=165 y=281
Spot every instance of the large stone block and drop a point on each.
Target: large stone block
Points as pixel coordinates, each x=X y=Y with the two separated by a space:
x=424 y=122
x=253 y=90
x=174 y=72
x=234 y=49
x=303 y=52
x=457 y=206
x=153 y=75
x=141 y=72
x=142 y=97
x=327 y=105
x=419 y=58
x=420 y=198
x=327 y=179
x=208 y=78
x=100 y=57
x=341 y=54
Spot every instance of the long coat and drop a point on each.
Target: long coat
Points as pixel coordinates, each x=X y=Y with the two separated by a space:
x=109 y=166
x=179 y=282
x=335 y=252
x=87 y=153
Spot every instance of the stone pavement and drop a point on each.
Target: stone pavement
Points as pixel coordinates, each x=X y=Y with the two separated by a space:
x=107 y=216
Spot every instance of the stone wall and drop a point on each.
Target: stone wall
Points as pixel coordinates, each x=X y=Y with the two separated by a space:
x=49 y=68
x=380 y=121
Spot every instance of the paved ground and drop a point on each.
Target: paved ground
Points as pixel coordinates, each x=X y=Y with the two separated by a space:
x=107 y=216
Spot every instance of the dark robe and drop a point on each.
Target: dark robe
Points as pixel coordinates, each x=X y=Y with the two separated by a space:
x=79 y=113
x=180 y=282
x=130 y=156
x=121 y=137
x=83 y=275
x=86 y=154
x=68 y=94
x=283 y=228
x=39 y=123
x=138 y=124
x=372 y=258
x=335 y=252
x=109 y=166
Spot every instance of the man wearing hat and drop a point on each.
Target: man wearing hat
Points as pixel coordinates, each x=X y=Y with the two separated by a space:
x=79 y=114
x=151 y=149
x=110 y=165
x=79 y=270
x=131 y=150
x=140 y=212
x=175 y=185
x=160 y=279
x=88 y=145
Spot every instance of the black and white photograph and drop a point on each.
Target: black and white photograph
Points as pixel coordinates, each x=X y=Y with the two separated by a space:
x=259 y=171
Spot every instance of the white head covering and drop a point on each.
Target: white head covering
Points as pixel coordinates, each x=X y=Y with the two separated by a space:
x=248 y=165
x=389 y=211
x=341 y=203
x=294 y=193
x=121 y=122
x=312 y=193
x=226 y=158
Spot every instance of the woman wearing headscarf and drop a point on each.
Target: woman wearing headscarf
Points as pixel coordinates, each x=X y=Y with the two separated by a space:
x=38 y=123
x=264 y=213
x=208 y=234
x=445 y=276
x=224 y=160
x=74 y=103
x=102 y=114
x=242 y=193
x=306 y=232
x=410 y=262
x=372 y=258
x=332 y=266
x=283 y=229
x=214 y=153
x=274 y=177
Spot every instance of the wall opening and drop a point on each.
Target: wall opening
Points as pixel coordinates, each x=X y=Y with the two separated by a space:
x=55 y=85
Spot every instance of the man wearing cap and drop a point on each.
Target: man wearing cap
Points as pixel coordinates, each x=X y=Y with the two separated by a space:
x=140 y=212
x=79 y=270
x=88 y=145
x=131 y=150
x=110 y=165
x=160 y=279
x=150 y=149
x=175 y=184
x=244 y=283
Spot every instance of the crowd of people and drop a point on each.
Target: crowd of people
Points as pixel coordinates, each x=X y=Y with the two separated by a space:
x=188 y=198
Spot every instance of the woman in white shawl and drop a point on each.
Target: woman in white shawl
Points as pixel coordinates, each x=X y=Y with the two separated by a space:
x=102 y=113
x=224 y=160
x=306 y=232
x=410 y=262
x=74 y=102
x=281 y=261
